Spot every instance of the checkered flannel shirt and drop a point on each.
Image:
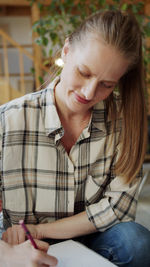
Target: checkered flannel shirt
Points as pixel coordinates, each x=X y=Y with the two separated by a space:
x=41 y=183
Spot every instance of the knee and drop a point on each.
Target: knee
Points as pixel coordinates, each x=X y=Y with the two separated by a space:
x=125 y=244
x=131 y=244
x=133 y=235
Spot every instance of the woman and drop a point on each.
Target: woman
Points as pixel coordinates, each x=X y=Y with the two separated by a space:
x=72 y=153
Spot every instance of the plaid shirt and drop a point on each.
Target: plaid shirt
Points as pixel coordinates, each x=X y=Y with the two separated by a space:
x=41 y=183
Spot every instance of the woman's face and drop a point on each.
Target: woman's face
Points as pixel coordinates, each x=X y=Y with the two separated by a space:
x=90 y=73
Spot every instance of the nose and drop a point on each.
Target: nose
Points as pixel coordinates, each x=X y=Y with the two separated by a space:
x=88 y=90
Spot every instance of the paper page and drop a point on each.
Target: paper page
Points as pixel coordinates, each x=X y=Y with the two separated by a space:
x=73 y=254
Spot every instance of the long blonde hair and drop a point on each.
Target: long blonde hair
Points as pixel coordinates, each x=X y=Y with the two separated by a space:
x=122 y=31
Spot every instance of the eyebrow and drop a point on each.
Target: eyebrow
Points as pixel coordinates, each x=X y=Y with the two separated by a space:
x=95 y=74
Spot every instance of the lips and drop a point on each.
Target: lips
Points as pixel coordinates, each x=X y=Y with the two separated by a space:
x=81 y=100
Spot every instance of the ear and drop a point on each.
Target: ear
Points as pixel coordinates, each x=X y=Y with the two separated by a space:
x=65 y=50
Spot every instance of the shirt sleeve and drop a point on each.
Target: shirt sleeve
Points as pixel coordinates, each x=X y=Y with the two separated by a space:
x=118 y=203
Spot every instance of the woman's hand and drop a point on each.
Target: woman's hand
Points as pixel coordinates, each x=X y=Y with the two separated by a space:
x=25 y=255
x=65 y=228
x=15 y=235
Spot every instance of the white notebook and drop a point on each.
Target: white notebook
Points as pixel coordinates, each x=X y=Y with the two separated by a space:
x=73 y=254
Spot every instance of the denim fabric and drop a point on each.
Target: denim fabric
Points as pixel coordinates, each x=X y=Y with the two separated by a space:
x=125 y=244
x=1 y=225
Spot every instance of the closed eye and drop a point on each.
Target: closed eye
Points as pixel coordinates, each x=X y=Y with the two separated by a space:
x=108 y=86
x=84 y=74
x=103 y=84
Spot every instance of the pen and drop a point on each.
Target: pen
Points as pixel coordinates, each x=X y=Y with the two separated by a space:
x=29 y=236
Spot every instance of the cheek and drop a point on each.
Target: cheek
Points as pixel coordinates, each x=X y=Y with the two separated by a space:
x=102 y=94
x=73 y=80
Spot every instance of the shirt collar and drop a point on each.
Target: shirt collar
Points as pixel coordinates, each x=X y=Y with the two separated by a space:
x=49 y=112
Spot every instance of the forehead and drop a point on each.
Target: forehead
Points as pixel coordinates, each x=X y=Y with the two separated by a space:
x=102 y=59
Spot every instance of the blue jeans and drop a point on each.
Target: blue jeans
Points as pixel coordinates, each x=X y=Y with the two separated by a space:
x=1 y=225
x=125 y=244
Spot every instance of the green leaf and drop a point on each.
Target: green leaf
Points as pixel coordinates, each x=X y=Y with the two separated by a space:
x=134 y=9
x=46 y=62
x=146 y=29
x=32 y=70
x=116 y=1
x=38 y=41
x=124 y=7
x=40 y=6
x=101 y=3
x=44 y=53
x=41 y=79
x=44 y=41
x=53 y=36
x=41 y=31
x=50 y=52
x=93 y=8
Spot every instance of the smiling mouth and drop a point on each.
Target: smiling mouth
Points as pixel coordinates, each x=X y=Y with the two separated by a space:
x=81 y=100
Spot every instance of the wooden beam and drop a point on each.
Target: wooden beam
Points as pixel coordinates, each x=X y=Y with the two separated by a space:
x=47 y=2
x=21 y=2
x=21 y=63
x=15 y=11
x=14 y=3
x=4 y=89
x=22 y=45
x=6 y=69
x=15 y=44
x=24 y=51
x=17 y=74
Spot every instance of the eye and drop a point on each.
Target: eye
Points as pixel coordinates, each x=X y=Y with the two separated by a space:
x=84 y=74
x=108 y=86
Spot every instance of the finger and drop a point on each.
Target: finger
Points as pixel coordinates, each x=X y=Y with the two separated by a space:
x=43 y=258
x=18 y=235
x=48 y=260
x=8 y=236
x=33 y=265
x=4 y=236
x=42 y=245
x=21 y=236
x=38 y=265
x=14 y=238
x=12 y=235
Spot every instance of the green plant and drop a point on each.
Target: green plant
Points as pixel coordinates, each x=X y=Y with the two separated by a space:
x=62 y=16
